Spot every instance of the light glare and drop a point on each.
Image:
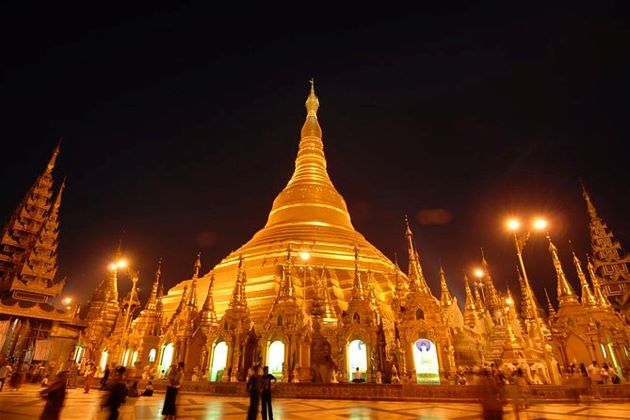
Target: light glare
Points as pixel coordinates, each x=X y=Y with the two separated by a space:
x=513 y=224
x=540 y=224
x=479 y=273
x=305 y=256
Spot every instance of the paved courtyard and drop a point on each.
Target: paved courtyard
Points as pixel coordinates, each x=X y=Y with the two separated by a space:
x=26 y=404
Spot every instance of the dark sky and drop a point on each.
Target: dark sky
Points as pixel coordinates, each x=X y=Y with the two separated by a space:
x=181 y=124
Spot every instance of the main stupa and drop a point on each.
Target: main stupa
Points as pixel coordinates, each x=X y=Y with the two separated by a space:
x=309 y=216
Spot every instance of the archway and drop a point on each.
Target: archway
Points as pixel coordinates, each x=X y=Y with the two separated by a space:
x=134 y=358
x=357 y=358
x=275 y=358
x=219 y=360
x=425 y=360
x=103 y=362
x=152 y=355
x=125 y=359
x=167 y=357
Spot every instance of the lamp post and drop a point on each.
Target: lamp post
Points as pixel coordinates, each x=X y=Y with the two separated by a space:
x=520 y=240
x=134 y=281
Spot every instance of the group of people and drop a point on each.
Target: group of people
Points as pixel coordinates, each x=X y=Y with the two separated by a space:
x=259 y=386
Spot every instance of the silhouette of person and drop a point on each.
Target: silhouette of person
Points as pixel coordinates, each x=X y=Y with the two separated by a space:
x=267 y=380
x=55 y=395
x=254 y=386
x=117 y=394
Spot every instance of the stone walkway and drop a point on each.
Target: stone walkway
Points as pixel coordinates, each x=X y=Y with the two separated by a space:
x=26 y=404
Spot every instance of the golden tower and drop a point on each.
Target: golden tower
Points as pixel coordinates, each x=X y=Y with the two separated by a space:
x=310 y=216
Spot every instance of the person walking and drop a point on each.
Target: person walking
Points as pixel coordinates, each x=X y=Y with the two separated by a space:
x=117 y=394
x=55 y=395
x=88 y=378
x=254 y=386
x=105 y=378
x=175 y=377
x=16 y=379
x=267 y=381
x=5 y=372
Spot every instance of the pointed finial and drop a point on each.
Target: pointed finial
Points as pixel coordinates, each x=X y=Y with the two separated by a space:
x=53 y=159
x=312 y=103
x=197 y=265
x=158 y=271
x=550 y=309
x=407 y=228
x=566 y=295
x=590 y=207
x=62 y=187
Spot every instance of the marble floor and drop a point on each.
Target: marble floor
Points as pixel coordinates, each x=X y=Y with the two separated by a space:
x=26 y=404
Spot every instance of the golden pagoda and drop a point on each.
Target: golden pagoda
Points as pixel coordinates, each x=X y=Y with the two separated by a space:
x=310 y=216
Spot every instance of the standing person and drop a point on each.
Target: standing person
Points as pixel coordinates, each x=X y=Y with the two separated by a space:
x=55 y=395
x=117 y=394
x=594 y=372
x=254 y=386
x=5 y=371
x=105 y=378
x=89 y=377
x=16 y=379
x=267 y=381
x=175 y=376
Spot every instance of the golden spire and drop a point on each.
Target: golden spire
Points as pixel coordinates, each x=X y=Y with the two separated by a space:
x=312 y=103
x=192 y=299
x=197 y=266
x=587 y=297
x=566 y=295
x=416 y=277
x=526 y=306
x=238 y=294
x=470 y=310
x=602 y=300
x=286 y=288
x=152 y=300
x=492 y=295
x=592 y=211
x=445 y=296
x=53 y=158
x=208 y=314
x=550 y=309
x=358 y=291
x=309 y=195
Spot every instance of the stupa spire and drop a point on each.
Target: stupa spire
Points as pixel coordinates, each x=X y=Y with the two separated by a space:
x=471 y=316
x=208 y=314
x=445 y=296
x=492 y=295
x=566 y=295
x=610 y=266
x=287 y=290
x=550 y=309
x=587 y=298
x=152 y=301
x=238 y=294
x=20 y=234
x=417 y=282
x=197 y=266
x=602 y=300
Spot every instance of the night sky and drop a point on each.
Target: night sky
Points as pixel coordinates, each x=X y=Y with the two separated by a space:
x=181 y=123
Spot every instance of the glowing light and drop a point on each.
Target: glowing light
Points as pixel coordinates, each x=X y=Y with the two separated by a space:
x=540 y=224
x=305 y=256
x=121 y=264
x=509 y=301
x=112 y=267
x=67 y=301
x=479 y=273
x=513 y=224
